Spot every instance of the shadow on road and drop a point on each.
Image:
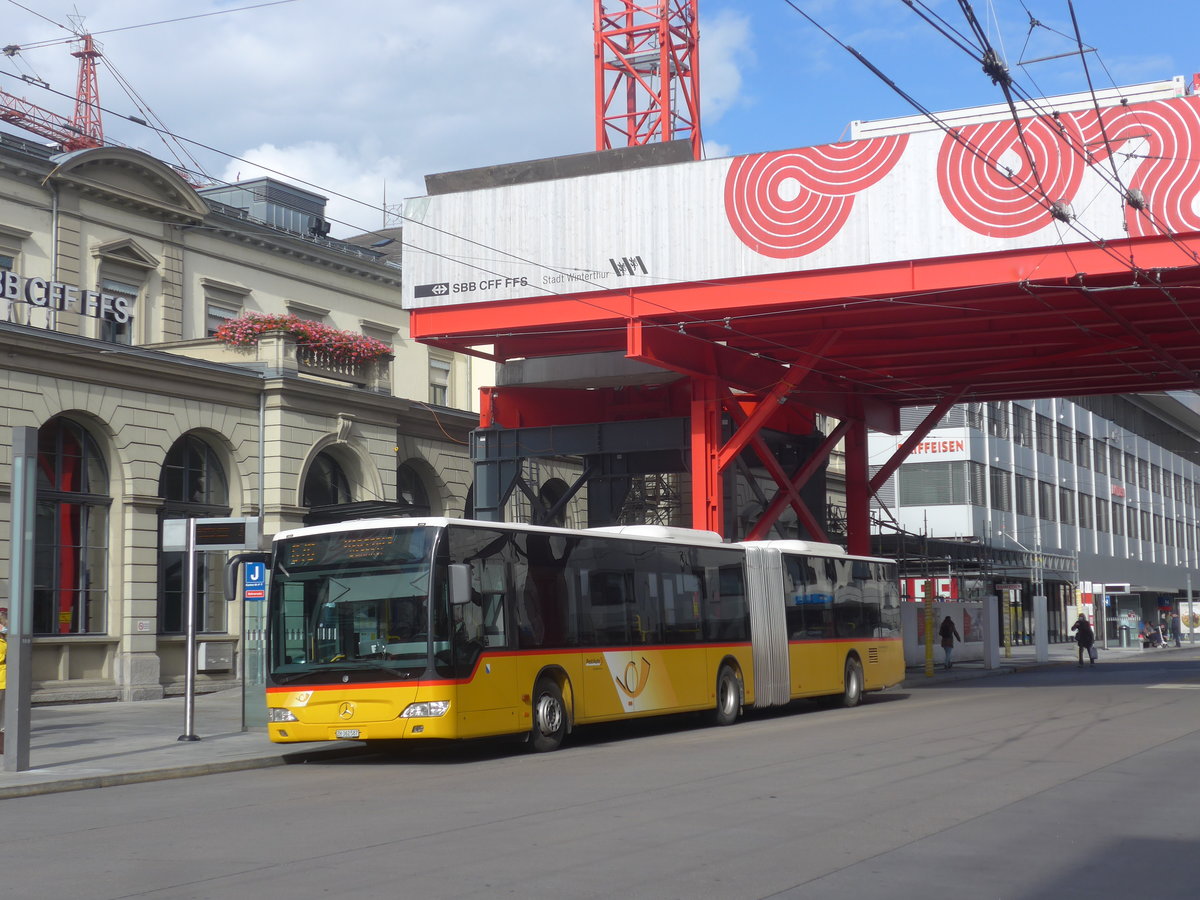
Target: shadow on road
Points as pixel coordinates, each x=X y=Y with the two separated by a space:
x=466 y=752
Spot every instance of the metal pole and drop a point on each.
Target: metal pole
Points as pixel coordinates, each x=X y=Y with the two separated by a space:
x=1006 y=622
x=928 y=627
x=1191 y=614
x=189 y=587
x=1041 y=618
x=1102 y=616
x=19 y=660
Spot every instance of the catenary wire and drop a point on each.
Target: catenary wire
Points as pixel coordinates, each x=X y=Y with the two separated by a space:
x=665 y=308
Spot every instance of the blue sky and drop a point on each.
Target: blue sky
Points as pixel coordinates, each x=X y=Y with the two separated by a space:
x=362 y=98
x=798 y=87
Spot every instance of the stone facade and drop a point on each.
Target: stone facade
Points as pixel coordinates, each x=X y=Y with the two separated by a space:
x=260 y=432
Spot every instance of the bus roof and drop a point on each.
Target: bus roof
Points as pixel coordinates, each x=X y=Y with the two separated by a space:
x=657 y=533
x=637 y=532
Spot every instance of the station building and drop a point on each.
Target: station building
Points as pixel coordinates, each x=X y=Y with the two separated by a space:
x=1021 y=346
x=1093 y=497
x=115 y=273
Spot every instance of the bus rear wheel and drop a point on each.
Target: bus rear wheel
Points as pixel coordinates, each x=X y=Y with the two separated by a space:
x=729 y=698
x=852 y=692
x=549 y=716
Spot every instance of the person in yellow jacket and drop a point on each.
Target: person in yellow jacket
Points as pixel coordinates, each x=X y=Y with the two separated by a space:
x=3 y=669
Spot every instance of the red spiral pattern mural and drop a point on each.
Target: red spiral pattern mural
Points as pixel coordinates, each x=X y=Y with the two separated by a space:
x=986 y=180
x=988 y=200
x=791 y=203
x=1168 y=171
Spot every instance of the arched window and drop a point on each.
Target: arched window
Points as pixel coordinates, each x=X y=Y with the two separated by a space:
x=192 y=485
x=70 y=591
x=326 y=483
x=410 y=491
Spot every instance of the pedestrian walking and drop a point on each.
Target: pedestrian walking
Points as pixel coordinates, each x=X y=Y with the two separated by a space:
x=1085 y=637
x=3 y=669
x=1177 y=629
x=949 y=633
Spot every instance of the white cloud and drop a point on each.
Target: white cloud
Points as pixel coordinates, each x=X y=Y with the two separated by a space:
x=356 y=185
x=724 y=48
x=715 y=150
x=340 y=94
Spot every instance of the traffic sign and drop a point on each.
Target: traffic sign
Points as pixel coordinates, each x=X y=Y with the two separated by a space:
x=254 y=581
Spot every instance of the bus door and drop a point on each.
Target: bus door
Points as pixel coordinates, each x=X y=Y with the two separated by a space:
x=604 y=632
x=482 y=636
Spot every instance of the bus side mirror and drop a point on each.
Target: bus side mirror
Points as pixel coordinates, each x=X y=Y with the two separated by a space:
x=460 y=584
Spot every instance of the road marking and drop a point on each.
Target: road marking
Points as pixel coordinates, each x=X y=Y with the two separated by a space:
x=1174 y=687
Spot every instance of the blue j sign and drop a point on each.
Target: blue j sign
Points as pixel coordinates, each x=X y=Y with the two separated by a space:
x=254 y=586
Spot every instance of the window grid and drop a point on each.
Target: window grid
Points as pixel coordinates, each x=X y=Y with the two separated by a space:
x=1023 y=426
x=1045 y=435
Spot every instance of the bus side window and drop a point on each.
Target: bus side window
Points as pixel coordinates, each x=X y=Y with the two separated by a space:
x=725 y=612
x=494 y=634
x=795 y=598
x=607 y=606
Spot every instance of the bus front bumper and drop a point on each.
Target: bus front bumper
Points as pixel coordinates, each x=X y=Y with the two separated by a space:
x=392 y=713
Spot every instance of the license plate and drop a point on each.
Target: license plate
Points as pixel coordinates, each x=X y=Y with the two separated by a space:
x=351 y=733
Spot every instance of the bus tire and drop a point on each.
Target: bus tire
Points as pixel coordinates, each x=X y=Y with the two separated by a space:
x=729 y=698
x=549 y=716
x=852 y=692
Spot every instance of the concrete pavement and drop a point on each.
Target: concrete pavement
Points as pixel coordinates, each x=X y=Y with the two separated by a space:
x=89 y=745
x=79 y=746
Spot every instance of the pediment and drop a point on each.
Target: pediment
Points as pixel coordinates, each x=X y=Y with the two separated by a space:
x=131 y=179
x=128 y=252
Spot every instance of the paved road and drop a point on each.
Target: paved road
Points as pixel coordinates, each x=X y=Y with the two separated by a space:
x=1054 y=782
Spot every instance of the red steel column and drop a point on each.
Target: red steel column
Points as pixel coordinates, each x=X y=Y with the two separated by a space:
x=858 y=494
x=707 y=495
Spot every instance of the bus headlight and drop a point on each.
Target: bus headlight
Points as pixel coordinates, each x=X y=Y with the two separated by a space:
x=274 y=714
x=430 y=709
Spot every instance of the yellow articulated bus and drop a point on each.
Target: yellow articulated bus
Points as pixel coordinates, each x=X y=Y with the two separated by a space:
x=435 y=628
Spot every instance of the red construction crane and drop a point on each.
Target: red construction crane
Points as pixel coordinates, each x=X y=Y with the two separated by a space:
x=647 y=72
x=80 y=132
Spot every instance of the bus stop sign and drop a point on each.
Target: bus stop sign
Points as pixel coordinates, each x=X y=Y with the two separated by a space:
x=254 y=583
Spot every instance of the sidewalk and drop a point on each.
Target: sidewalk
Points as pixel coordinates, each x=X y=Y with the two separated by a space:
x=88 y=745
x=1025 y=657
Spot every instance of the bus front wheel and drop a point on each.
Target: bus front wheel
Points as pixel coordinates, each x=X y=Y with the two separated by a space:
x=729 y=698
x=853 y=691
x=549 y=716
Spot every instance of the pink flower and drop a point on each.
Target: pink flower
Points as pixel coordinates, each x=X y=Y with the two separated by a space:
x=340 y=346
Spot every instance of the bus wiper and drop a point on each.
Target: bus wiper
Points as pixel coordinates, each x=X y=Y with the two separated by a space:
x=292 y=677
x=348 y=665
x=374 y=664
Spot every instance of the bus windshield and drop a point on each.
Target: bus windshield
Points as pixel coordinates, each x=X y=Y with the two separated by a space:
x=351 y=606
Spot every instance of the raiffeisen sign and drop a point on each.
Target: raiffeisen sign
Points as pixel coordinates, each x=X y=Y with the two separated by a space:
x=902 y=191
x=55 y=295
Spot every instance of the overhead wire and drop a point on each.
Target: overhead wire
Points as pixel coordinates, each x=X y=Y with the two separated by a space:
x=666 y=309
x=173 y=145
x=219 y=12
x=955 y=135
x=41 y=16
x=986 y=57
x=994 y=69
x=610 y=310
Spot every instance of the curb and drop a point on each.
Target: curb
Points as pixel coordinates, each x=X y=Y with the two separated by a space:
x=171 y=773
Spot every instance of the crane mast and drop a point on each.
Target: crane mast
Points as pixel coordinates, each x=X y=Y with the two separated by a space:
x=647 y=72
x=84 y=130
